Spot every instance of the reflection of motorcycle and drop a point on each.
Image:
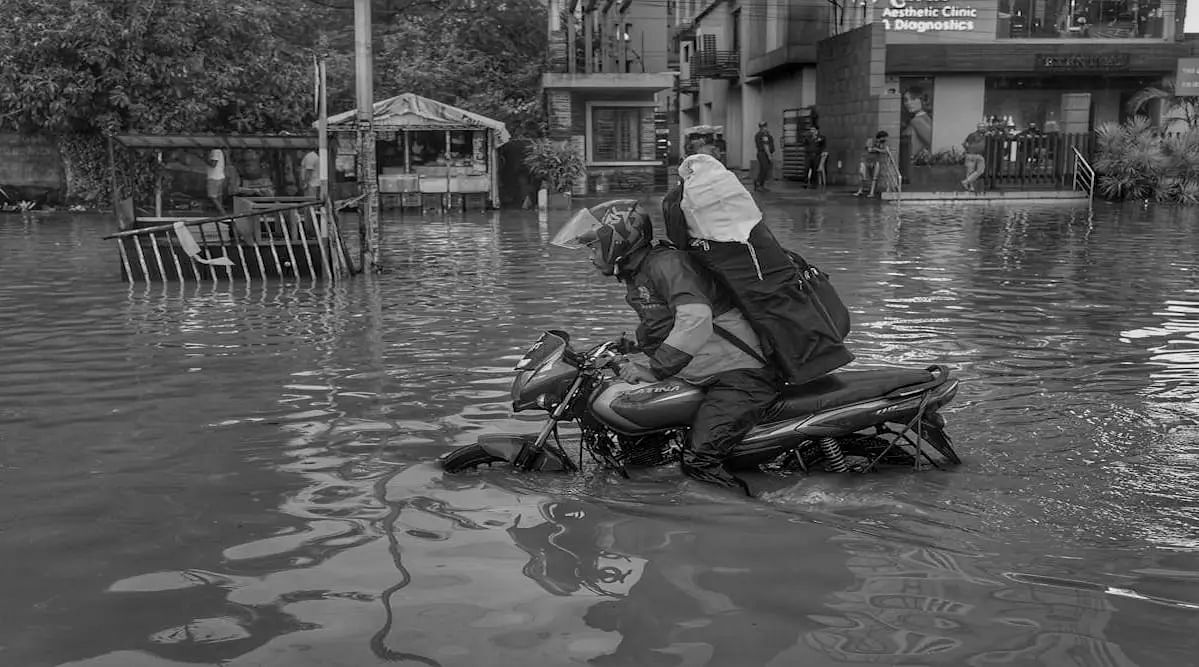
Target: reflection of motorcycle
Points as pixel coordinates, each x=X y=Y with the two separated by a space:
x=566 y=552
x=844 y=420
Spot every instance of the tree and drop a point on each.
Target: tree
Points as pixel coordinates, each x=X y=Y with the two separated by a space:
x=488 y=62
x=112 y=65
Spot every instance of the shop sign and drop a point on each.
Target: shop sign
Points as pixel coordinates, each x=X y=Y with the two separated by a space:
x=928 y=16
x=1186 y=80
x=1075 y=62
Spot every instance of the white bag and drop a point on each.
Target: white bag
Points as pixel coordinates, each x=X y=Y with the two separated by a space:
x=716 y=205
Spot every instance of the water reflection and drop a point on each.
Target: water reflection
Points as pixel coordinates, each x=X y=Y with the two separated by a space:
x=240 y=474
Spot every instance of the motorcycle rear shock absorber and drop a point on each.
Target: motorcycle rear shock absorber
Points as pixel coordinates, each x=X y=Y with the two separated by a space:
x=834 y=458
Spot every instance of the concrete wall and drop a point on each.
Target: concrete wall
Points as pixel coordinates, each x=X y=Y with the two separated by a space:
x=959 y=108
x=739 y=144
x=31 y=168
x=791 y=90
x=853 y=104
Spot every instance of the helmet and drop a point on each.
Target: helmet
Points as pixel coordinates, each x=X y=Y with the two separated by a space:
x=613 y=229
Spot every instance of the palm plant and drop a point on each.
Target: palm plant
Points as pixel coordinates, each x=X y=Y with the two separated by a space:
x=1171 y=102
x=1130 y=158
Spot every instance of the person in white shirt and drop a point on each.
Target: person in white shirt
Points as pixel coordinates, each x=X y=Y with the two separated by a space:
x=216 y=178
x=310 y=174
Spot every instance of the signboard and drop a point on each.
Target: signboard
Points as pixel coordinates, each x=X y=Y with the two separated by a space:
x=937 y=21
x=1077 y=62
x=922 y=16
x=1186 y=79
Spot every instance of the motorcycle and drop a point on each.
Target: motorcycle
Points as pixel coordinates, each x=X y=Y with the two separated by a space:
x=844 y=421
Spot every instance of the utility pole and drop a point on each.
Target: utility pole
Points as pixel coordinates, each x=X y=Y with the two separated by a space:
x=368 y=181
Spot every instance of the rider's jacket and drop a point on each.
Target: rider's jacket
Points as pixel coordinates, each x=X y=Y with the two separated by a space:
x=678 y=303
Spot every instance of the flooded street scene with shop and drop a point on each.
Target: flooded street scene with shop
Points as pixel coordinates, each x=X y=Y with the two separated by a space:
x=244 y=473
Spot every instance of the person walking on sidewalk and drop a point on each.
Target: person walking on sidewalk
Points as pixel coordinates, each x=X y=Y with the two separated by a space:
x=765 y=145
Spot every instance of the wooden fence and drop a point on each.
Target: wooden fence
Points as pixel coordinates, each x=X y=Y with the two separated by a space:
x=291 y=241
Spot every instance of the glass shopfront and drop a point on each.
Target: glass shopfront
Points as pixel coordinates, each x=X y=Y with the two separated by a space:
x=987 y=21
x=1060 y=103
x=1094 y=19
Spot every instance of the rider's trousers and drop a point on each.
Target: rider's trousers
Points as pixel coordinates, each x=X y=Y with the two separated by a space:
x=734 y=402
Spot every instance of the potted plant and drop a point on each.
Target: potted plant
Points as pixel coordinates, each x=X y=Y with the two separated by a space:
x=938 y=171
x=558 y=166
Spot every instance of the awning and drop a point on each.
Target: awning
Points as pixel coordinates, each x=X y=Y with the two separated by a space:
x=413 y=112
x=232 y=141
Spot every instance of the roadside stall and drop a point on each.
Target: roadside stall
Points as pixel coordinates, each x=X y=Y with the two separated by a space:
x=429 y=154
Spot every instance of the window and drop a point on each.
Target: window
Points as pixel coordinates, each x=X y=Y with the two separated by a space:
x=622 y=133
x=737 y=31
x=1096 y=19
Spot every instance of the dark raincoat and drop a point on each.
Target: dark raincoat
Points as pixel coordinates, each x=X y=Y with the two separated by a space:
x=769 y=286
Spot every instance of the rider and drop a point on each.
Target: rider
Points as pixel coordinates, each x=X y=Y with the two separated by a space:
x=682 y=313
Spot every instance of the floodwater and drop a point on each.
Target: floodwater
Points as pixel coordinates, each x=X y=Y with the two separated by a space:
x=243 y=475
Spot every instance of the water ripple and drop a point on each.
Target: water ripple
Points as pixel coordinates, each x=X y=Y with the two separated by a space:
x=241 y=474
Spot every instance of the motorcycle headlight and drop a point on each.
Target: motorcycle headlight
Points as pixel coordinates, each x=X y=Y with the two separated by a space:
x=541 y=387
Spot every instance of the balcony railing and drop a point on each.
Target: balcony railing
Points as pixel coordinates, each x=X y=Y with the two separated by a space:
x=688 y=86
x=682 y=31
x=717 y=65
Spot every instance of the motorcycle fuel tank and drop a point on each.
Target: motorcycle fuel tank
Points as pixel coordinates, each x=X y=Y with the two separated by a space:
x=633 y=409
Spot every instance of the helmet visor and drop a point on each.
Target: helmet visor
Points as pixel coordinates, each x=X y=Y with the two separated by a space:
x=577 y=232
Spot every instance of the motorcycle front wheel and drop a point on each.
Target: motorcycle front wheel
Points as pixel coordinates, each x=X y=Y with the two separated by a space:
x=468 y=457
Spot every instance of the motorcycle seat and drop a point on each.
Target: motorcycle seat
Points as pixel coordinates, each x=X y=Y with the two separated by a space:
x=846 y=387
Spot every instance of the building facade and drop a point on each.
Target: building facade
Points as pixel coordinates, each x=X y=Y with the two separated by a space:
x=606 y=89
x=926 y=71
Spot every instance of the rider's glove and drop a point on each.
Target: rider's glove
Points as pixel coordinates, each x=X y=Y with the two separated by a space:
x=634 y=372
x=626 y=345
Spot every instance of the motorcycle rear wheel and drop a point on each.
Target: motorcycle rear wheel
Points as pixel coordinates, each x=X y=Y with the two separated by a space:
x=467 y=457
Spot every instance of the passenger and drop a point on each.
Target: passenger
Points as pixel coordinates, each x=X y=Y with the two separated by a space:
x=714 y=218
x=682 y=313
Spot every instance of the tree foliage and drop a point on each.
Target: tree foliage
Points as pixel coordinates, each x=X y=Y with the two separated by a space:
x=86 y=68
x=487 y=62
x=245 y=65
x=150 y=66
x=1135 y=160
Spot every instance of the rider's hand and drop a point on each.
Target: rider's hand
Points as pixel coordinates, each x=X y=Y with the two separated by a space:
x=634 y=372
x=626 y=345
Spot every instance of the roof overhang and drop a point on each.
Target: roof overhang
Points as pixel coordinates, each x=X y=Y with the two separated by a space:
x=650 y=83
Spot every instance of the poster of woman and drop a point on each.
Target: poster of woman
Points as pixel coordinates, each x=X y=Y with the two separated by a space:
x=915 y=120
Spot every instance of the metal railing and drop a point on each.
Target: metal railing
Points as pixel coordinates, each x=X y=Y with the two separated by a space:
x=716 y=65
x=688 y=86
x=296 y=241
x=1084 y=174
x=1032 y=162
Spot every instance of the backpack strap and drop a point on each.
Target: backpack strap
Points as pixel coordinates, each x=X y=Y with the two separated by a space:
x=741 y=345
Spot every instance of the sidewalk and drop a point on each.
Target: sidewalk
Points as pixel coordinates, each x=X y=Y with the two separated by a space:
x=787 y=190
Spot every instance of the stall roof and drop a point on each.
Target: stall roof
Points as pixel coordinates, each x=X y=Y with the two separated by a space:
x=411 y=111
x=285 y=141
